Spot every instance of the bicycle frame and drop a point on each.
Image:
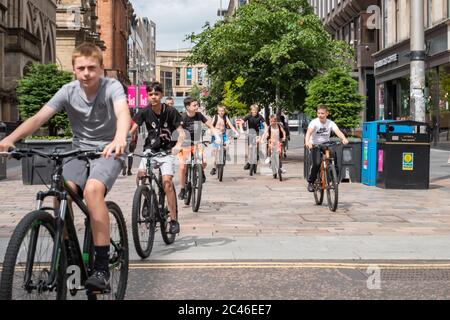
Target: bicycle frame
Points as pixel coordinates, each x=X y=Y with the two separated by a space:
x=61 y=192
x=152 y=177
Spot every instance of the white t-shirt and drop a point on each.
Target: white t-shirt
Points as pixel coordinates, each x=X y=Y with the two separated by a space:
x=322 y=131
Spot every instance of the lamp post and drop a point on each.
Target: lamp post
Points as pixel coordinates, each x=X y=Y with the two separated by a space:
x=417 y=60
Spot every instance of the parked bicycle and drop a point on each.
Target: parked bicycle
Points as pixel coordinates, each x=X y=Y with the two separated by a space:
x=327 y=179
x=44 y=247
x=149 y=208
x=195 y=176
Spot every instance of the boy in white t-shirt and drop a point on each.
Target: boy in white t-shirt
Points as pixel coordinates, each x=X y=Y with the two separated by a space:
x=319 y=131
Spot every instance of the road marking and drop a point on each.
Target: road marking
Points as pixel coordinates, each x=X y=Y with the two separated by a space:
x=286 y=265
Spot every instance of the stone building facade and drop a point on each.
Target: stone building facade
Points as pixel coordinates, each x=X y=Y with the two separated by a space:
x=27 y=35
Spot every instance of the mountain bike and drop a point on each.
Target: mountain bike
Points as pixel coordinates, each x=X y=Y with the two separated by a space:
x=44 y=248
x=149 y=207
x=276 y=157
x=253 y=148
x=327 y=179
x=195 y=176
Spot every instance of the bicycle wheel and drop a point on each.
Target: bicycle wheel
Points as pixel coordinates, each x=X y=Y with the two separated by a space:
x=143 y=221
x=197 y=186
x=318 y=192
x=220 y=172
x=119 y=253
x=332 y=188
x=188 y=187
x=27 y=263
x=168 y=237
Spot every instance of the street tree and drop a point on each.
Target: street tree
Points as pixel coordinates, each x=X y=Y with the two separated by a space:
x=277 y=46
x=339 y=92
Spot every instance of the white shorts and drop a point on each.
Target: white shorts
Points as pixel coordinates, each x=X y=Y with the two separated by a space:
x=166 y=164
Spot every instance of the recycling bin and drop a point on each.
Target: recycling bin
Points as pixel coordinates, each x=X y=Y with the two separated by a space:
x=369 y=146
x=403 y=158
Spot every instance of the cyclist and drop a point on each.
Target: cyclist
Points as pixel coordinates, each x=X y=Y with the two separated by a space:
x=221 y=123
x=98 y=112
x=275 y=135
x=192 y=123
x=319 y=131
x=161 y=122
x=256 y=123
x=170 y=102
x=131 y=148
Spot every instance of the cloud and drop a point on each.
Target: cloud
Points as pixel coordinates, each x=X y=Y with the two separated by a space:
x=177 y=18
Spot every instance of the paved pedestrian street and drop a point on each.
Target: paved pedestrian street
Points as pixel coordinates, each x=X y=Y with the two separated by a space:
x=261 y=218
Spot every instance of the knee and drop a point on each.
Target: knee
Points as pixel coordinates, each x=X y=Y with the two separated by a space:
x=168 y=187
x=94 y=192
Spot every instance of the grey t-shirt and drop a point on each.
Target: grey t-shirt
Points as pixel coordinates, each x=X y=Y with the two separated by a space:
x=94 y=123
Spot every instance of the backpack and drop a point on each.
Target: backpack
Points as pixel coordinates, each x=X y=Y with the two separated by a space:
x=216 y=119
x=279 y=131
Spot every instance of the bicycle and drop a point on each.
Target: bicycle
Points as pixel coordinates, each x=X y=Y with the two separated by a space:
x=149 y=208
x=327 y=178
x=195 y=176
x=44 y=247
x=276 y=157
x=221 y=160
x=253 y=154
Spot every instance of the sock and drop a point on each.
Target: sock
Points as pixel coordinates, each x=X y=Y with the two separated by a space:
x=101 y=258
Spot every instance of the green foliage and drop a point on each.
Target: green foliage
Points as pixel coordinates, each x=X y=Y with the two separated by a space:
x=232 y=98
x=339 y=92
x=195 y=92
x=37 y=88
x=275 y=45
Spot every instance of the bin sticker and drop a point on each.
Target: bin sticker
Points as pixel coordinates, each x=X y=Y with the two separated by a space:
x=408 y=161
x=380 y=160
x=365 y=154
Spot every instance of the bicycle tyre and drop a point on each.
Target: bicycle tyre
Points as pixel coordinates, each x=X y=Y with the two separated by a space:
x=197 y=186
x=188 y=187
x=143 y=200
x=332 y=188
x=168 y=237
x=33 y=220
x=220 y=168
x=318 y=193
x=119 y=254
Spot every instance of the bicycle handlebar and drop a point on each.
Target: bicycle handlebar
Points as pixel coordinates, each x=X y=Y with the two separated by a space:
x=151 y=154
x=80 y=153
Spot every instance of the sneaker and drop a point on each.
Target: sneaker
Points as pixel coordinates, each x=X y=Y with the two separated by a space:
x=98 y=281
x=247 y=166
x=283 y=170
x=275 y=176
x=182 y=194
x=310 y=187
x=124 y=171
x=174 y=227
x=129 y=173
x=213 y=171
x=267 y=161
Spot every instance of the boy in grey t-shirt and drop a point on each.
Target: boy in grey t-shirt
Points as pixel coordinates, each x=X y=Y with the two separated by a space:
x=98 y=112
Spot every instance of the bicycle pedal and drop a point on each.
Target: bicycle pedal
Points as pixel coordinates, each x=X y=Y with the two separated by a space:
x=98 y=292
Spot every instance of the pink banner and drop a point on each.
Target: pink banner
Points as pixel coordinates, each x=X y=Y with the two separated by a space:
x=132 y=94
x=143 y=102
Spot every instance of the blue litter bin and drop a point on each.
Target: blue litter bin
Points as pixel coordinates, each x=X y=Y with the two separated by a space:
x=370 y=134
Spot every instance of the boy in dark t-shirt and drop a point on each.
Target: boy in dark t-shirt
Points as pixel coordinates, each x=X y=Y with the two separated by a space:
x=192 y=124
x=162 y=122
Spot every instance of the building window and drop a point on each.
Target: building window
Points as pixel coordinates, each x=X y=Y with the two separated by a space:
x=166 y=81
x=189 y=76
x=178 y=77
x=385 y=24
x=448 y=8
x=200 y=76
x=180 y=94
x=429 y=13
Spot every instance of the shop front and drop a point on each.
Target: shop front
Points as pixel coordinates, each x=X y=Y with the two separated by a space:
x=392 y=76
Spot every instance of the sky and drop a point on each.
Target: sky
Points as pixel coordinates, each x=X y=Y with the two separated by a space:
x=176 y=18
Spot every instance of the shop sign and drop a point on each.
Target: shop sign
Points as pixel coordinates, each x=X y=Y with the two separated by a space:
x=386 y=61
